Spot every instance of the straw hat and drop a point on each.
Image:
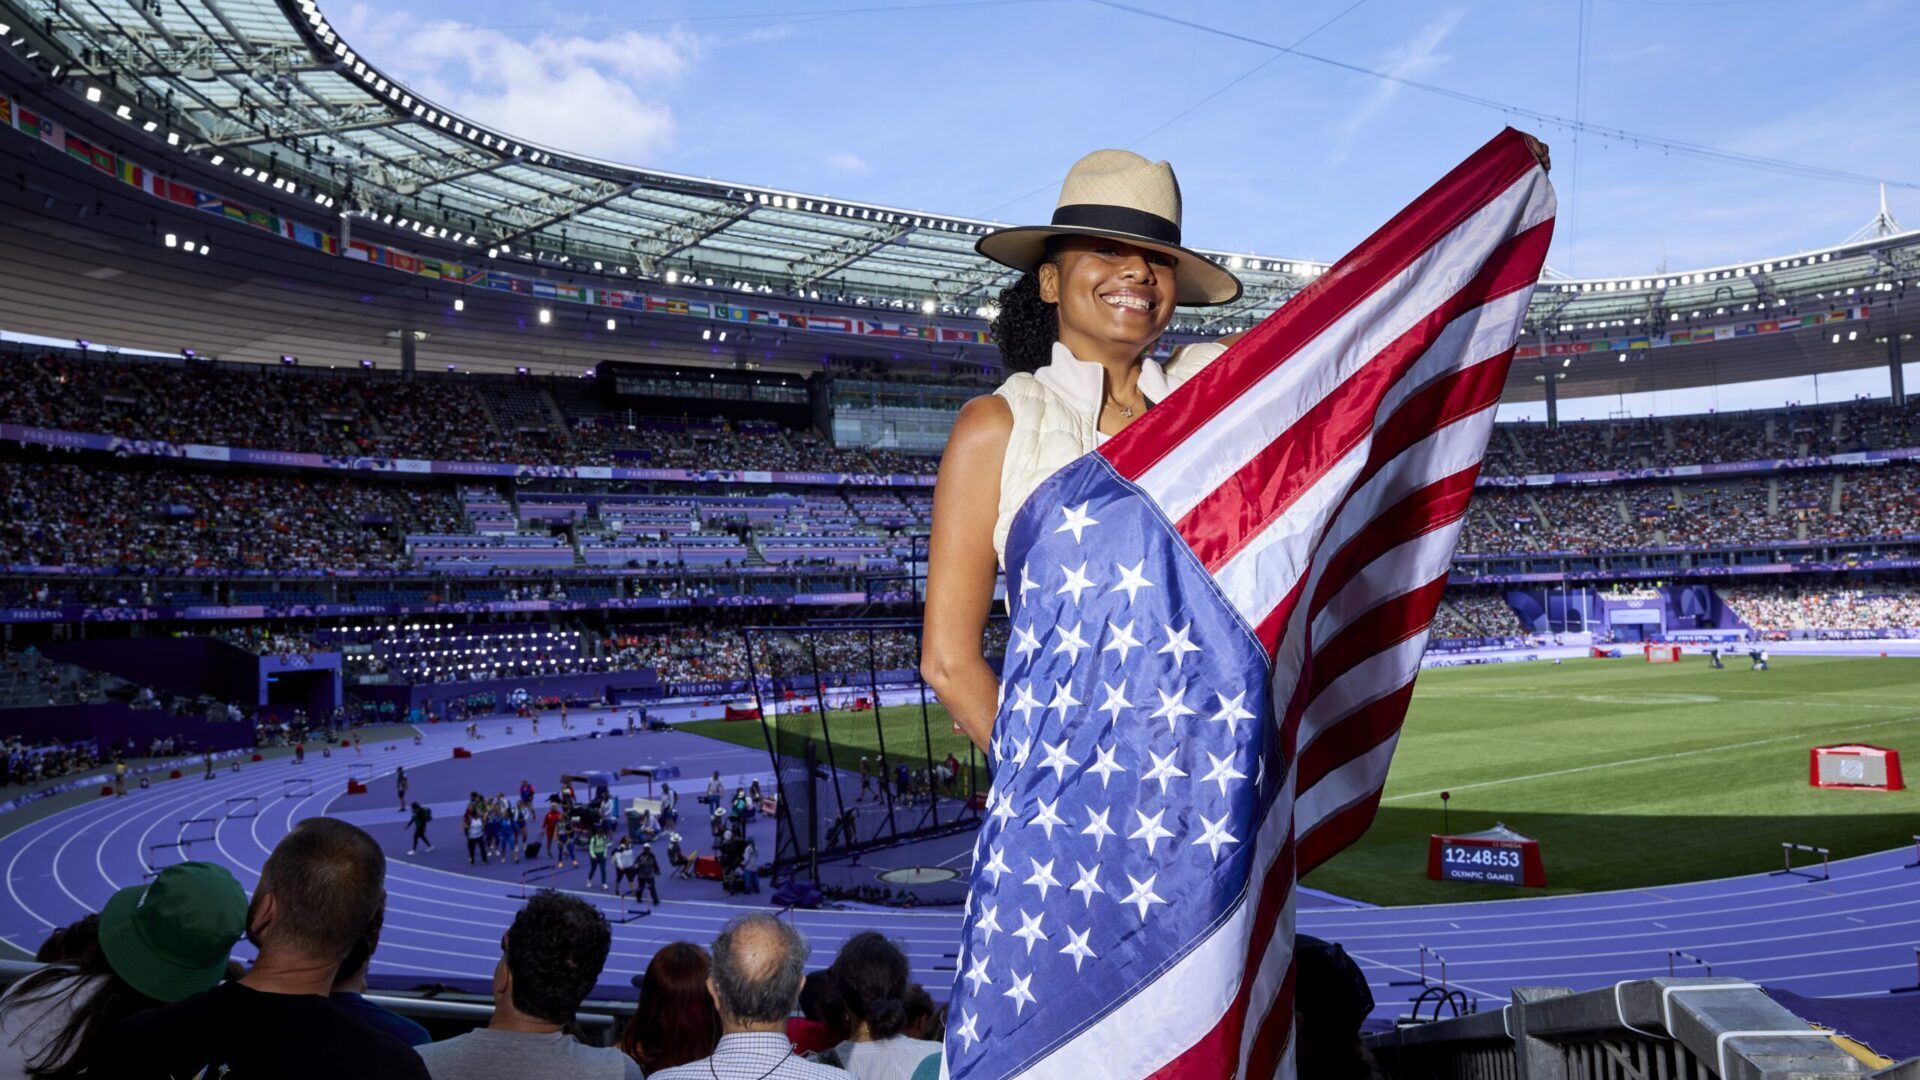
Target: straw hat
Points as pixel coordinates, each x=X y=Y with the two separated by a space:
x=1118 y=194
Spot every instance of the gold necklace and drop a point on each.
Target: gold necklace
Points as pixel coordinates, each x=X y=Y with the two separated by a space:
x=1126 y=411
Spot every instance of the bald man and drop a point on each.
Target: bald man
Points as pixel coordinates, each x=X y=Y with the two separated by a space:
x=759 y=965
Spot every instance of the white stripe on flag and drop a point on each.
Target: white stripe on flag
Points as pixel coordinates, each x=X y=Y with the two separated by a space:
x=1262 y=571
x=1400 y=571
x=1345 y=785
x=1439 y=455
x=1269 y=972
x=1188 y=999
x=1362 y=684
x=1252 y=421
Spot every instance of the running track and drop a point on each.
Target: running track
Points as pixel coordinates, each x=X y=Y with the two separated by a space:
x=1851 y=935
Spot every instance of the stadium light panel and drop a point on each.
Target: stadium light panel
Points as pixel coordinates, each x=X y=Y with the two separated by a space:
x=150 y=126
x=459 y=304
x=172 y=240
x=187 y=246
x=672 y=276
x=219 y=158
x=1853 y=335
x=1623 y=358
x=546 y=316
x=206 y=249
x=93 y=95
x=1836 y=339
x=706 y=335
x=609 y=324
x=723 y=337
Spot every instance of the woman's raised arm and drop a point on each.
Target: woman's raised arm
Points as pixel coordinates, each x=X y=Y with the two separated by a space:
x=962 y=567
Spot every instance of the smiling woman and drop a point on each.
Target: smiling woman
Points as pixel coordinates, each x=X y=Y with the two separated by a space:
x=1099 y=286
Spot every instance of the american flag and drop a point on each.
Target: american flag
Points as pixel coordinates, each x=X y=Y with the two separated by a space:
x=1216 y=620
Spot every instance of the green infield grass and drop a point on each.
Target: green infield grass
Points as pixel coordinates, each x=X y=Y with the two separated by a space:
x=1631 y=775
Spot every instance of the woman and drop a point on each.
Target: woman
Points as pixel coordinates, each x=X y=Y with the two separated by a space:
x=597 y=857
x=158 y=943
x=675 y=1021
x=1098 y=288
x=869 y=986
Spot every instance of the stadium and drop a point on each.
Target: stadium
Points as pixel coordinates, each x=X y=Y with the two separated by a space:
x=362 y=460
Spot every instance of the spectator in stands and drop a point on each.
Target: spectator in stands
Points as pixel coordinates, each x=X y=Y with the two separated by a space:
x=552 y=955
x=69 y=942
x=1330 y=1004
x=759 y=966
x=350 y=987
x=319 y=893
x=155 y=943
x=675 y=1021
x=870 y=990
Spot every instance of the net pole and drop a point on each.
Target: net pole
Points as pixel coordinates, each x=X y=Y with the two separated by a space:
x=826 y=734
x=926 y=729
x=880 y=737
x=773 y=755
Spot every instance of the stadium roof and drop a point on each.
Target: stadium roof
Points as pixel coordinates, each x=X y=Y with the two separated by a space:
x=271 y=84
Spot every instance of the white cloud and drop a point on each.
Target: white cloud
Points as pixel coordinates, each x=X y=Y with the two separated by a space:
x=848 y=163
x=1417 y=56
x=598 y=96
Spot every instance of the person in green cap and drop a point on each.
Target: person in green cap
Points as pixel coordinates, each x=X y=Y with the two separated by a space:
x=159 y=943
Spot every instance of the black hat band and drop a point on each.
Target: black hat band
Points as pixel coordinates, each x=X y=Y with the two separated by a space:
x=1118 y=219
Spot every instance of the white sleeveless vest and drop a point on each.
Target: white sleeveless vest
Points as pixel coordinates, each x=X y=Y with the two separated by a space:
x=1056 y=415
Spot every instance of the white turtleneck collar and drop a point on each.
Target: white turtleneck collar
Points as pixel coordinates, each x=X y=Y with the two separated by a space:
x=1082 y=383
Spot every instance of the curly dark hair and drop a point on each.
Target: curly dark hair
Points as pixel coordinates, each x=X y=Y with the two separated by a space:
x=555 y=950
x=1027 y=326
x=870 y=984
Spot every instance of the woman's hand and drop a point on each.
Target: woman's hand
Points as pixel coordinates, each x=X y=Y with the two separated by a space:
x=962 y=567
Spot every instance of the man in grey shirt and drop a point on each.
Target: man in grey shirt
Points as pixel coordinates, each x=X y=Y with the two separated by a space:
x=553 y=955
x=759 y=964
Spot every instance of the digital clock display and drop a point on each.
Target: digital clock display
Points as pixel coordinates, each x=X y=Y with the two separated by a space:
x=1498 y=865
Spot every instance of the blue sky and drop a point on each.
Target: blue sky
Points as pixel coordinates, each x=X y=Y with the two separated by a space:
x=978 y=107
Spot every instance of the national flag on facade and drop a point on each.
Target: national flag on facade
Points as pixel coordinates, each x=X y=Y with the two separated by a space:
x=1216 y=620
x=832 y=324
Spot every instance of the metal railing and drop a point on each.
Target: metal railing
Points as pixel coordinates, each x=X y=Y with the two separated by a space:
x=1649 y=1029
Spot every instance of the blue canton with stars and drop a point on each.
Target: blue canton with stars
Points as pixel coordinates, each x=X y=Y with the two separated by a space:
x=1131 y=754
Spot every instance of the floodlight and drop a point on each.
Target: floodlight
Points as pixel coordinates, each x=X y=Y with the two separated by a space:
x=93 y=94
x=172 y=240
x=546 y=317
x=459 y=304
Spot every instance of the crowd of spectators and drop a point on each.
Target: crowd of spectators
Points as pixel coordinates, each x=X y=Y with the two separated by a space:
x=1473 y=613
x=26 y=761
x=1770 y=608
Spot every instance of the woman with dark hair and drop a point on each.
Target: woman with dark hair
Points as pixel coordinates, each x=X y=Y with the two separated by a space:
x=158 y=943
x=869 y=988
x=676 y=1021
x=1098 y=287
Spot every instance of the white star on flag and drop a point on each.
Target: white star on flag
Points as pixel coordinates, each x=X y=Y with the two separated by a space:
x=1027 y=584
x=1048 y=816
x=1025 y=641
x=1116 y=700
x=1178 y=642
x=1132 y=581
x=1142 y=894
x=1023 y=700
x=1042 y=877
x=967 y=1029
x=977 y=974
x=1222 y=770
x=1030 y=931
x=1089 y=882
x=1150 y=830
x=1003 y=810
x=1120 y=639
x=1019 y=992
x=1231 y=711
x=1077 y=520
x=1163 y=769
x=1063 y=700
x=996 y=864
x=1071 y=643
x=1172 y=706
x=1077 y=581
x=988 y=922
x=1023 y=747
x=1076 y=947
x=1105 y=765
x=1057 y=760
x=1215 y=835
x=1097 y=826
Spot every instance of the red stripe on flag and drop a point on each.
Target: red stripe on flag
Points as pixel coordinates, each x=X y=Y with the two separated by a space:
x=1331 y=836
x=1275 y=1027
x=1434 y=506
x=1353 y=736
x=1240 y=508
x=1376 y=631
x=1217 y=1053
x=1457 y=196
x=1275 y=623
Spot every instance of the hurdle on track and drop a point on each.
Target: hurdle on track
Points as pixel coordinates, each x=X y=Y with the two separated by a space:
x=1787 y=867
x=243 y=806
x=187 y=824
x=360 y=772
x=296 y=787
x=532 y=874
x=1916 y=860
x=628 y=913
x=1673 y=954
x=1425 y=951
